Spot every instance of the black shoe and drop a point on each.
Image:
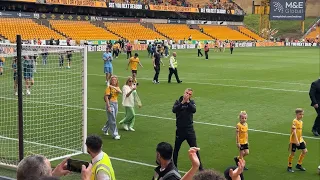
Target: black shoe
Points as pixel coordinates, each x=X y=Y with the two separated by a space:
x=236 y=160
x=289 y=169
x=298 y=166
x=245 y=168
x=315 y=132
x=179 y=81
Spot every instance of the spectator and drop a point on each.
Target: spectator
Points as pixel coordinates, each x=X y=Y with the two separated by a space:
x=101 y=164
x=36 y=166
x=129 y=97
x=233 y=173
x=166 y=169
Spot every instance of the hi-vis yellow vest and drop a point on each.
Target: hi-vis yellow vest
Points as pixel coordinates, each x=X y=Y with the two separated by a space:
x=103 y=165
x=175 y=62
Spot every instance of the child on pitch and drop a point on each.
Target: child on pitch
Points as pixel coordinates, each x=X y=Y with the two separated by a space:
x=133 y=63
x=296 y=141
x=242 y=137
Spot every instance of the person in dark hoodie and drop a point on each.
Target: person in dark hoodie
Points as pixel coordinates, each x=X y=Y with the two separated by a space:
x=184 y=108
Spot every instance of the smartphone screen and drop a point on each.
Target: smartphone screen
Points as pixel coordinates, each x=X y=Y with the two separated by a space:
x=76 y=165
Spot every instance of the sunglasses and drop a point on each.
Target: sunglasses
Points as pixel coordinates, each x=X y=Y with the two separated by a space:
x=130 y=81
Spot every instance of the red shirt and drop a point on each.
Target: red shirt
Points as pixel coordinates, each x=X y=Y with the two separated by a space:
x=129 y=47
x=206 y=47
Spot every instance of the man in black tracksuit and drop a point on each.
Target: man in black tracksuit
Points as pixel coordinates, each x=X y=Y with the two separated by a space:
x=184 y=108
x=314 y=94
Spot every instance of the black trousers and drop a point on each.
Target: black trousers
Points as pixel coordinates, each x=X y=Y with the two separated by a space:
x=129 y=55
x=206 y=54
x=316 y=125
x=199 y=53
x=156 y=75
x=175 y=72
x=181 y=135
x=231 y=50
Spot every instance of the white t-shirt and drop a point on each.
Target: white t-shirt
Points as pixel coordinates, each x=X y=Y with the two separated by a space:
x=127 y=101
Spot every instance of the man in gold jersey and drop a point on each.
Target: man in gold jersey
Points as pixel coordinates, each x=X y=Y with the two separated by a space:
x=296 y=141
x=242 y=137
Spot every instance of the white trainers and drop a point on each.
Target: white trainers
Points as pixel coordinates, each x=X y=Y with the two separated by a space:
x=131 y=129
x=125 y=127
x=117 y=137
x=106 y=133
x=28 y=92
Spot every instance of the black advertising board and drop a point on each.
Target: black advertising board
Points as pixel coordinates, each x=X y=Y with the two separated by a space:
x=287 y=9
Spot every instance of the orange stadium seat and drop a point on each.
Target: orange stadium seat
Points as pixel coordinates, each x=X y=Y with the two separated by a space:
x=133 y=31
x=27 y=28
x=313 y=34
x=224 y=33
x=250 y=33
x=180 y=32
x=82 y=30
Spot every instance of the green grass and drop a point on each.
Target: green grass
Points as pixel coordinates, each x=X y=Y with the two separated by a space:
x=269 y=83
x=283 y=27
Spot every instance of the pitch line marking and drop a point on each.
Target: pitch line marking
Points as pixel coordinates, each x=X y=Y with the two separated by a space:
x=217 y=79
x=167 y=118
x=224 y=85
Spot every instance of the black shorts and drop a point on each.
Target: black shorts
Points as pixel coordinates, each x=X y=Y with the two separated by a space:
x=294 y=146
x=134 y=71
x=244 y=146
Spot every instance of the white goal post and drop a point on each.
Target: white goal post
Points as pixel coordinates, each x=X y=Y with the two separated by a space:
x=54 y=102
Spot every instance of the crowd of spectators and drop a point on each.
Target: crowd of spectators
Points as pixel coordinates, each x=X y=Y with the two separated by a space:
x=211 y=4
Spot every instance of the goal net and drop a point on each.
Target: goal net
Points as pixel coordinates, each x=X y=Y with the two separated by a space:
x=54 y=101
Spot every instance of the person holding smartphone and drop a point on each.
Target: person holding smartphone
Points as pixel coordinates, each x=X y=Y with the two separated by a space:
x=111 y=99
x=129 y=99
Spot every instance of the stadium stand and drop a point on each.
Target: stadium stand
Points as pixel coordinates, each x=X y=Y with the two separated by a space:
x=27 y=28
x=314 y=34
x=174 y=31
x=81 y=30
x=249 y=33
x=224 y=33
x=133 y=31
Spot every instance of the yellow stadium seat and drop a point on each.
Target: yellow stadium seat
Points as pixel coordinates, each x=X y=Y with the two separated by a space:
x=180 y=32
x=313 y=34
x=224 y=33
x=133 y=31
x=27 y=28
x=250 y=33
x=82 y=30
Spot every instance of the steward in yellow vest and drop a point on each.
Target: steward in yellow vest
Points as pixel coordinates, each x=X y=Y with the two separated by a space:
x=101 y=165
x=173 y=64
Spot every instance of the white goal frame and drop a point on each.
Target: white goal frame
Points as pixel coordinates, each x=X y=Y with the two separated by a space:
x=84 y=106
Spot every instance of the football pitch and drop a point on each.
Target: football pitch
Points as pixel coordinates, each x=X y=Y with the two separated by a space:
x=268 y=83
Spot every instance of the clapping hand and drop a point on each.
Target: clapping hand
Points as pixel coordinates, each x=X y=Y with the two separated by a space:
x=193 y=157
x=235 y=174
